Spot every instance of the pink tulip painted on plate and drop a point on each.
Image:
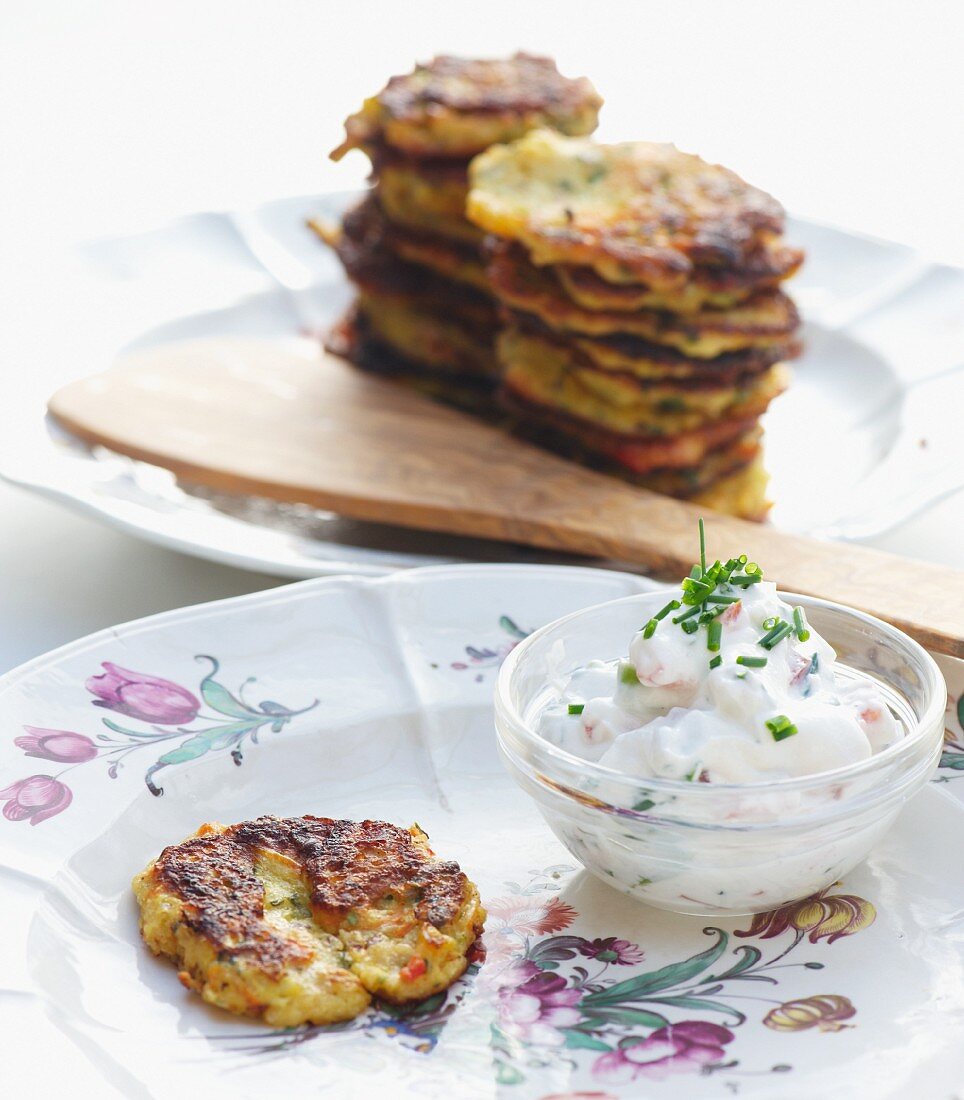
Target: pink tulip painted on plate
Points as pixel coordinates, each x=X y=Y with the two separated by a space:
x=685 y=1047
x=61 y=746
x=145 y=698
x=35 y=799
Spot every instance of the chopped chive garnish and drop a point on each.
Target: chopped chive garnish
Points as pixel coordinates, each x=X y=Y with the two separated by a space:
x=650 y=628
x=714 y=597
x=716 y=661
x=690 y=626
x=627 y=674
x=744 y=580
x=769 y=624
x=752 y=662
x=751 y=567
x=714 y=631
x=695 y=573
x=702 y=547
x=695 y=591
x=776 y=635
x=687 y=615
x=741 y=560
x=800 y=625
x=673 y=605
x=709 y=616
x=576 y=708
x=781 y=727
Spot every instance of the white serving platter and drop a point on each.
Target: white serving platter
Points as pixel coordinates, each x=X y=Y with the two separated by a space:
x=865 y=438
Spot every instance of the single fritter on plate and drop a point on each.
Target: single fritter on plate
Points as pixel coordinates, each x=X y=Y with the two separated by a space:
x=767 y=318
x=303 y=920
x=637 y=210
x=456 y=107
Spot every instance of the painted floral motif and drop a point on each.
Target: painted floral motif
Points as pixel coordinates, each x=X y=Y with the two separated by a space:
x=823 y=916
x=677 y=1048
x=953 y=755
x=484 y=657
x=35 y=799
x=61 y=746
x=174 y=717
x=824 y=1013
x=144 y=698
x=560 y=998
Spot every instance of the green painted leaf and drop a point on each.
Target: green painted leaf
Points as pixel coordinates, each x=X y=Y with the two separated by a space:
x=220 y=737
x=639 y=987
x=507 y=1075
x=634 y=1017
x=580 y=1040
x=751 y=956
x=960 y=710
x=220 y=699
x=700 y=1004
x=953 y=760
x=555 y=949
x=139 y=734
x=510 y=628
x=190 y=749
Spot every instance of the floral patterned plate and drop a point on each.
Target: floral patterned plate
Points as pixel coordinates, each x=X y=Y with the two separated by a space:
x=355 y=697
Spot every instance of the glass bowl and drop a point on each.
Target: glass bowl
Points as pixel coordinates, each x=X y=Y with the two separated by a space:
x=707 y=848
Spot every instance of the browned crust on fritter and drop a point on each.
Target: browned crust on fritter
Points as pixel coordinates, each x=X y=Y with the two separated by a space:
x=732 y=444
x=520 y=284
x=351 y=339
x=446 y=257
x=681 y=449
x=364 y=249
x=344 y=863
x=763 y=267
x=729 y=369
x=522 y=83
x=524 y=89
x=440 y=169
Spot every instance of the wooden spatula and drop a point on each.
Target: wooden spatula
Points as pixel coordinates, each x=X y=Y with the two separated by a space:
x=286 y=421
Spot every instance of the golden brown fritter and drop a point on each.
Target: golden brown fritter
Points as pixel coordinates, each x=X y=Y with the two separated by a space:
x=638 y=357
x=352 y=338
x=546 y=372
x=729 y=479
x=441 y=338
x=455 y=106
x=638 y=454
x=719 y=287
x=769 y=318
x=635 y=210
x=303 y=919
x=365 y=245
x=427 y=196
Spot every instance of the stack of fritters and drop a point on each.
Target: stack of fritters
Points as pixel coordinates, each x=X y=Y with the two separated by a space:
x=424 y=309
x=645 y=331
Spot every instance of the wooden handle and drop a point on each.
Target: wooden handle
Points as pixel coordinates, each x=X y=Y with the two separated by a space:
x=287 y=422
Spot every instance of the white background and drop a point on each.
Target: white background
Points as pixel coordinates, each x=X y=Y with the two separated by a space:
x=115 y=117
